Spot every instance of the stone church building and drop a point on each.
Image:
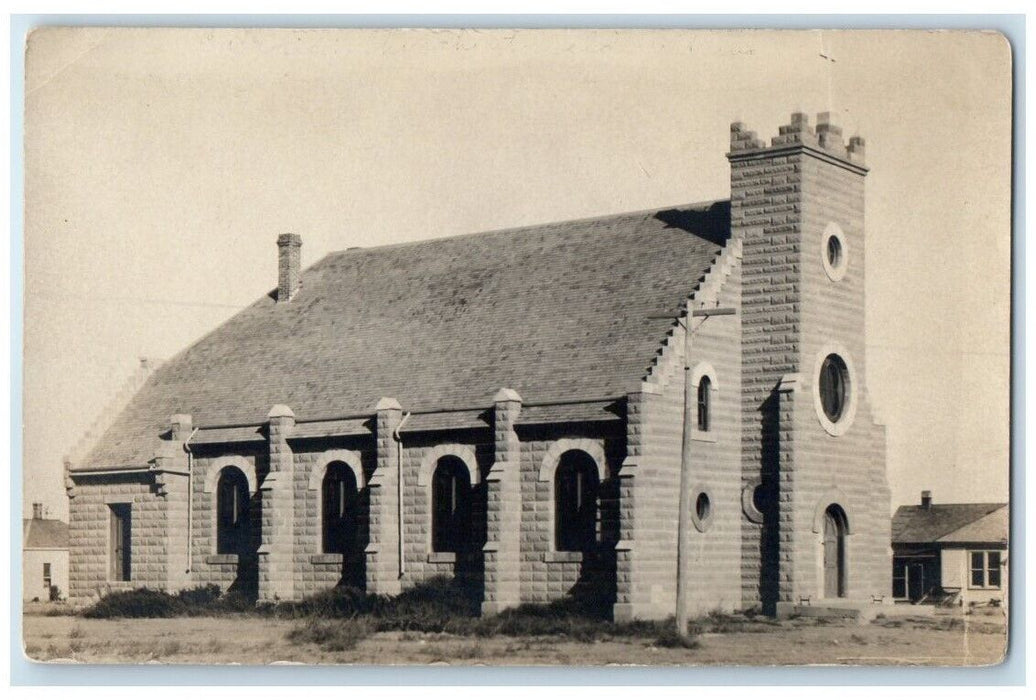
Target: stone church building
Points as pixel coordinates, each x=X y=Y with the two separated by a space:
x=524 y=409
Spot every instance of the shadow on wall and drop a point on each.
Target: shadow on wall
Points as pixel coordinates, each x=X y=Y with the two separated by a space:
x=712 y=223
x=246 y=583
x=768 y=505
x=595 y=591
x=354 y=561
x=469 y=570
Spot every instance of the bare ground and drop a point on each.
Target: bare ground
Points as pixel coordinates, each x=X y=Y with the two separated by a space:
x=947 y=639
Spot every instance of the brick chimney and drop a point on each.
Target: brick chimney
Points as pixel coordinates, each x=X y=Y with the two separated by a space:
x=926 y=499
x=37 y=511
x=289 y=265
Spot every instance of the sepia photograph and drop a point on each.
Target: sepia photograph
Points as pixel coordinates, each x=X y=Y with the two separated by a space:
x=517 y=347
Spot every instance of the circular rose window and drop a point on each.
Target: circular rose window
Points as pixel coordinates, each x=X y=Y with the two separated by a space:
x=833 y=393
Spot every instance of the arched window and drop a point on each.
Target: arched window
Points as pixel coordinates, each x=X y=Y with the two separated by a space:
x=704 y=403
x=575 y=502
x=451 y=505
x=232 y=518
x=339 y=495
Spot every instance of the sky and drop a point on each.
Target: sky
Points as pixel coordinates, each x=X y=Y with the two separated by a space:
x=160 y=166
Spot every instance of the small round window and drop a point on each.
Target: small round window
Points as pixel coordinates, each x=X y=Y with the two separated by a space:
x=701 y=510
x=834 y=387
x=753 y=500
x=703 y=506
x=834 y=252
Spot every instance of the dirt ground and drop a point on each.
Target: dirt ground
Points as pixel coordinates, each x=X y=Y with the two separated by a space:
x=947 y=639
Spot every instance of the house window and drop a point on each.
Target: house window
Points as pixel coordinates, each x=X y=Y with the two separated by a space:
x=119 y=541
x=704 y=403
x=899 y=579
x=339 y=509
x=451 y=505
x=834 y=380
x=985 y=569
x=232 y=516
x=575 y=502
x=46 y=575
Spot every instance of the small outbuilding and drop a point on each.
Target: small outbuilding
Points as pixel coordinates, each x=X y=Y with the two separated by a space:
x=950 y=552
x=44 y=557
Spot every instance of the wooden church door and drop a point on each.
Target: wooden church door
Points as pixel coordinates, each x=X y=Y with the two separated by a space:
x=834 y=556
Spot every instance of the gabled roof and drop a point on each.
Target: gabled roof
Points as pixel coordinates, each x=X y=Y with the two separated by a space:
x=950 y=522
x=38 y=533
x=564 y=311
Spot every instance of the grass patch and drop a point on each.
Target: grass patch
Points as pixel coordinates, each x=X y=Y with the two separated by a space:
x=441 y=606
x=671 y=639
x=145 y=602
x=331 y=635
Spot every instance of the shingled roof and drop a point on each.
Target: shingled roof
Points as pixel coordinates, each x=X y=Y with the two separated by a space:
x=947 y=522
x=564 y=311
x=44 y=533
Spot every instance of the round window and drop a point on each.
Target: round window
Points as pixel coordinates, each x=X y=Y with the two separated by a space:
x=702 y=506
x=834 y=252
x=834 y=384
x=834 y=392
x=753 y=500
x=701 y=510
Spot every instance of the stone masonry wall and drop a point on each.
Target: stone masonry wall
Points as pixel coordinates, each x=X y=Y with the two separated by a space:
x=546 y=574
x=650 y=495
x=765 y=206
x=848 y=469
x=228 y=571
x=713 y=570
x=89 y=527
x=420 y=456
x=783 y=197
x=315 y=570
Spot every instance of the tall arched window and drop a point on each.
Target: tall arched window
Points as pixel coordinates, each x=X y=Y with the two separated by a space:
x=451 y=505
x=575 y=502
x=704 y=403
x=232 y=518
x=339 y=495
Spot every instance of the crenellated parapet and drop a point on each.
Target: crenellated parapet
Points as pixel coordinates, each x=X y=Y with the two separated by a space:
x=826 y=138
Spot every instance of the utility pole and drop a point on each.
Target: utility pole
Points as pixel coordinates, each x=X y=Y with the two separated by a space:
x=682 y=539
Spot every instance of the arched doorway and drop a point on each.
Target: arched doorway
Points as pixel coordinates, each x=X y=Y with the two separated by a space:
x=835 y=574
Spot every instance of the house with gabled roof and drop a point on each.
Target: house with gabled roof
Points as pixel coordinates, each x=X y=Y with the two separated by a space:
x=619 y=407
x=44 y=557
x=950 y=551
